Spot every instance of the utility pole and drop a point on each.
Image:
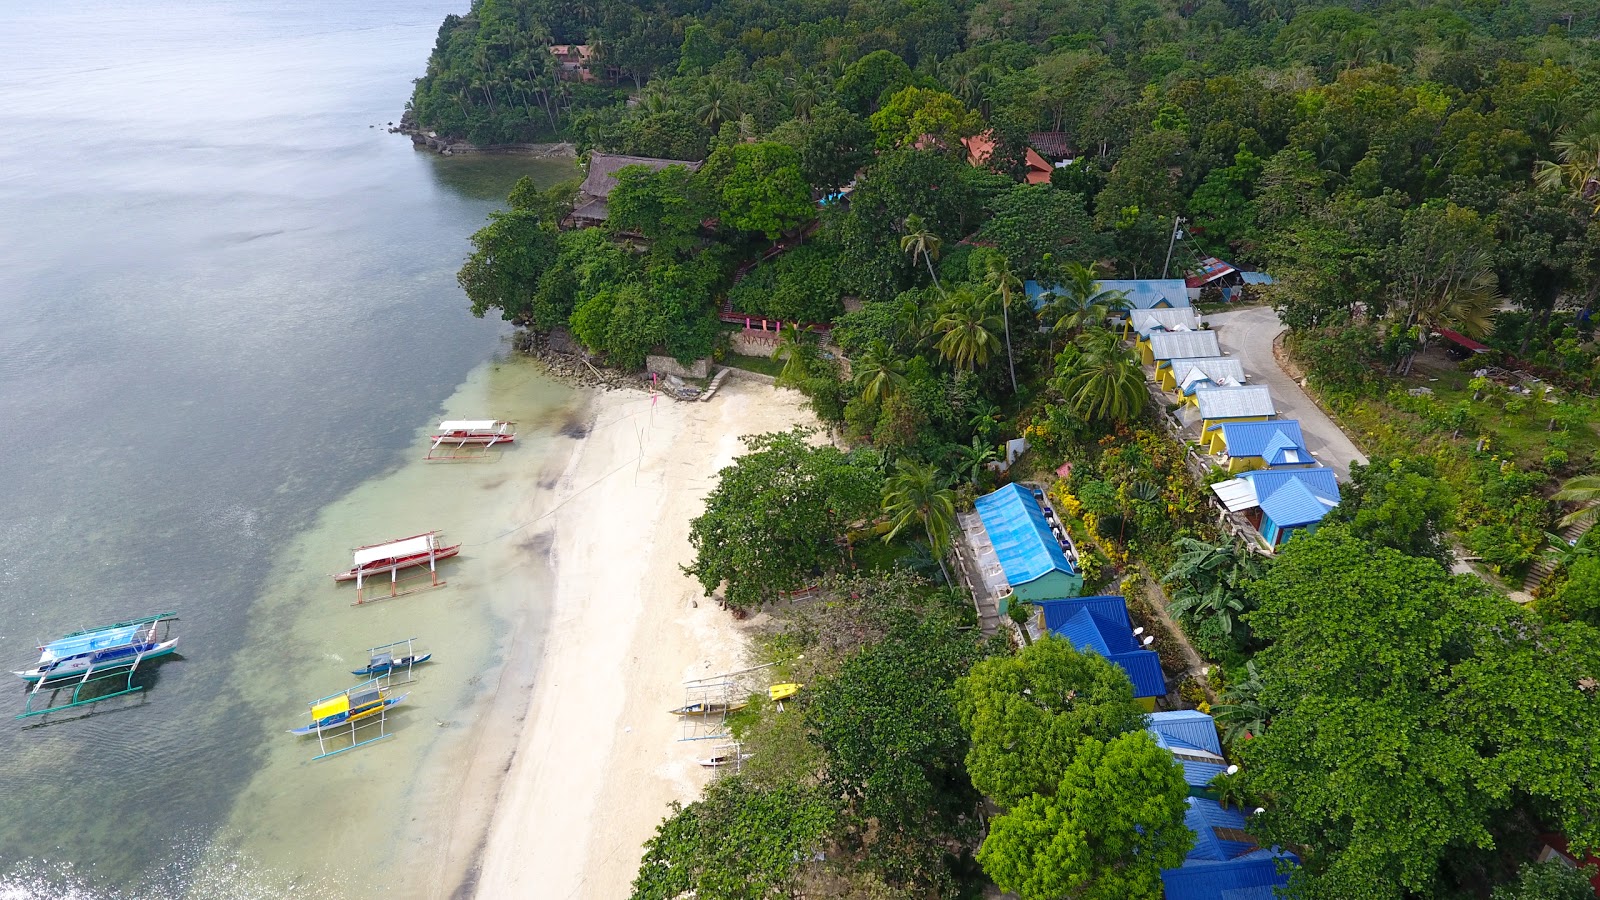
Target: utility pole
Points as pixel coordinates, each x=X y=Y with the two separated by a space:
x=1177 y=223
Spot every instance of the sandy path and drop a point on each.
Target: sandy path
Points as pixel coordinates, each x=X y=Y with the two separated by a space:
x=598 y=760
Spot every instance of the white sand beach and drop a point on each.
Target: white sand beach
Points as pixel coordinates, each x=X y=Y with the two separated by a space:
x=598 y=759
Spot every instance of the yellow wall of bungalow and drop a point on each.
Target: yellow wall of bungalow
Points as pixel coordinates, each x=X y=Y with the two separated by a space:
x=1211 y=432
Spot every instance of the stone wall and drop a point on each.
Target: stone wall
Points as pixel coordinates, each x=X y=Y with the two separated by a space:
x=666 y=365
x=753 y=342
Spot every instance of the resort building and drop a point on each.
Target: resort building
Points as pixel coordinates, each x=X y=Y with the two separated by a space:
x=1226 y=863
x=1162 y=347
x=572 y=60
x=1274 y=444
x=1023 y=542
x=1191 y=376
x=1145 y=322
x=1192 y=738
x=980 y=149
x=1279 y=502
x=1250 y=403
x=1101 y=625
x=589 y=209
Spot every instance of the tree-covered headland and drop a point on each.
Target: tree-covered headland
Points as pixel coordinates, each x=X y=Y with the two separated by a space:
x=1403 y=170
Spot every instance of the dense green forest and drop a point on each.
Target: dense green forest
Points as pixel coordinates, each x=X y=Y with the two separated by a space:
x=1398 y=167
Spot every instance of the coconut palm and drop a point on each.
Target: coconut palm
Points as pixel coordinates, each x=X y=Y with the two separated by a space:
x=1079 y=301
x=717 y=106
x=805 y=94
x=878 y=374
x=1583 y=490
x=1005 y=285
x=916 y=493
x=796 y=353
x=967 y=331
x=914 y=318
x=1577 y=163
x=1103 y=381
x=919 y=241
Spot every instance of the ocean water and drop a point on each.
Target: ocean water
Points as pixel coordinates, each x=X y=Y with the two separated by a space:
x=227 y=314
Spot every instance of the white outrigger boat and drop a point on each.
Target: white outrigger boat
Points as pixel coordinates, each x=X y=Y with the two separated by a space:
x=456 y=435
x=391 y=556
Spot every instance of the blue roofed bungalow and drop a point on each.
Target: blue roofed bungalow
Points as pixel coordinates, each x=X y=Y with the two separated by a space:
x=1032 y=551
x=1280 y=502
x=1275 y=444
x=1139 y=293
x=1226 y=863
x=1191 y=737
x=1101 y=625
x=1247 y=403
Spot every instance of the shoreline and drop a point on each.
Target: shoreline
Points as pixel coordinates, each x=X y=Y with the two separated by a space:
x=596 y=760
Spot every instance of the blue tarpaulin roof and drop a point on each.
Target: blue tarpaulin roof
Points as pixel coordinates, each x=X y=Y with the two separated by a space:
x=1191 y=735
x=1254 y=438
x=1221 y=867
x=1142 y=293
x=94 y=640
x=1292 y=503
x=1021 y=537
x=1101 y=625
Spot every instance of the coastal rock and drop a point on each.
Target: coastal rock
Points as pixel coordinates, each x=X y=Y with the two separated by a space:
x=446 y=146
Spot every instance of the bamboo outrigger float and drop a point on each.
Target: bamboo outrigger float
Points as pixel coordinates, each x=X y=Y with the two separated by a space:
x=86 y=658
x=364 y=706
x=392 y=556
x=457 y=435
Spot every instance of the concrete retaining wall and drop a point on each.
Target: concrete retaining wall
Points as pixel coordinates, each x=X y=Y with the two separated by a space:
x=666 y=365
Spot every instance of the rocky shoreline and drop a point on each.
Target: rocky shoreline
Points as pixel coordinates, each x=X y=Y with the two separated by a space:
x=445 y=146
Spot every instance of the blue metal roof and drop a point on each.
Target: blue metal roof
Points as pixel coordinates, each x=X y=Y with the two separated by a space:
x=1255 y=277
x=1142 y=293
x=1191 y=735
x=1021 y=537
x=1292 y=504
x=1223 y=869
x=1252 y=437
x=1101 y=625
x=1319 y=480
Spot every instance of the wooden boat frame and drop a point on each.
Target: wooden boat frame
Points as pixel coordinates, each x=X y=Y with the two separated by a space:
x=361 y=573
x=125 y=667
x=352 y=726
x=457 y=436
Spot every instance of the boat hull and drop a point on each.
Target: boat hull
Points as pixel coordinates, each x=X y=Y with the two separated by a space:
x=405 y=562
x=707 y=709
x=398 y=664
x=344 y=719
x=75 y=669
x=474 y=438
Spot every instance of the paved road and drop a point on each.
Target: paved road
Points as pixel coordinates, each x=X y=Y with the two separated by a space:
x=1247 y=335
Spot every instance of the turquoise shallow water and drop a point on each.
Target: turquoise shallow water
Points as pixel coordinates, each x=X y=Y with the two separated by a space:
x=227 y=303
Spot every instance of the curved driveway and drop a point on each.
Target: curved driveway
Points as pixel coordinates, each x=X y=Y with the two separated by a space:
x=1247 y=335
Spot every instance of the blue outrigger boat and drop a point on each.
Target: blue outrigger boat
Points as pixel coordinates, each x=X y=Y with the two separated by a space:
x=84 y=658
x=384 y=663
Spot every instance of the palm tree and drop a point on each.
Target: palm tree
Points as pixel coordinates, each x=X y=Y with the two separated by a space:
x=717 y=107
x=1585 y=491
x=970 y=461
x=1464 y=295
x=1079 y=301
x=1577 y=163
x=919 y=241
x=805 y=94
x=915 y=493
x=913 y=318
x=878 y=374
x=1005 y=284
x=1104 y=381
x=796 y=354
x=967 y=331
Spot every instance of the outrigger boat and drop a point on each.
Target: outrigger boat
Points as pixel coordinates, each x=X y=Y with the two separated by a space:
x=455 y=435
x=384 y=663
x=709 y=708
x=392 y=556
x=726 y=755
x=88 y=656
x=348 y=711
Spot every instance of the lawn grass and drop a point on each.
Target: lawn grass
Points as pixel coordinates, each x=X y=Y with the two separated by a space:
x=762 y=364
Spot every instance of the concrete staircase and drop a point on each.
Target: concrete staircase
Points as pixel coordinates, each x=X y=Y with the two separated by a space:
x=1544 y=565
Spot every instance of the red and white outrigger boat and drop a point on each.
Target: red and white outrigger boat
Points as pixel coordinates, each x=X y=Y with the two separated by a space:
x=392 y=556
x=456 y=435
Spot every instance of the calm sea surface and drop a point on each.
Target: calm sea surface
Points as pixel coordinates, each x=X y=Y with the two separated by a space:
x=226 y=302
